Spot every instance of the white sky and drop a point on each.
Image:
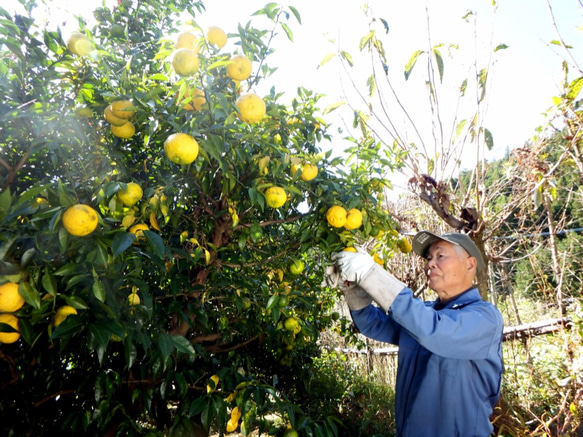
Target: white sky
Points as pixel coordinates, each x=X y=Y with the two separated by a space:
x=526 y=75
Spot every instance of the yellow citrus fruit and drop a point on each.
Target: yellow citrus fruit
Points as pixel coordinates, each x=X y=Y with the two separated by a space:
x=291 y=324
x=197 y=99
x=185 y=62
x=10 y=299
x=117 y=31
x=121 y=109
x=353 y=219
x=112 y=118
x=80 y=220
x=291 y=433
x=212 y=384
x=125 y=131
x=233 y=421
x=133 y=299
x=62 y=313
x=138 y=230
x=181 y=148
x=275 y=196
x=79 y=44
x=349 y=249
x=251 y=108
x=309 y=172
x=378 y=259
x=404 y=245
x=236 y=414
x=231 y=425
x=376 y=232
x=296 y=267
x=216 y=37
x=186 y=40
x=9 y=337
x=336 y=216
x=131 y=194
x=240 y=67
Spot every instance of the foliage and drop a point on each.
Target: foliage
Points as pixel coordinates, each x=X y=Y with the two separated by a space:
x=365 y=405
x=211 y=272
x=541 y=393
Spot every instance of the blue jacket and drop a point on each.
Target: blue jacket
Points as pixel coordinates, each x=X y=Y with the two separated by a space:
x=450 y=362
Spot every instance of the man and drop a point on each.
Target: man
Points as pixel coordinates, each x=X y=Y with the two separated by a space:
x=450 y=350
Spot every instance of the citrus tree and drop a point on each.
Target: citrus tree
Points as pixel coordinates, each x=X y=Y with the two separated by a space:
x=165 y=224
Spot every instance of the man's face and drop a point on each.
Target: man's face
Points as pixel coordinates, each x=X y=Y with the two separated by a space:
x=450 y=269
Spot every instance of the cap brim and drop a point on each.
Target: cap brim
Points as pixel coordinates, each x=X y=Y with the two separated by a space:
x=422 y=240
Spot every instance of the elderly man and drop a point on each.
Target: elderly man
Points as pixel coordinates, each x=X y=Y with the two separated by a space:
x=450 y=350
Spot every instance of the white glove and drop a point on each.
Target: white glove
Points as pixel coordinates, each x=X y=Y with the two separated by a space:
x=355 y=297
x=353 y=266
x=331 y=277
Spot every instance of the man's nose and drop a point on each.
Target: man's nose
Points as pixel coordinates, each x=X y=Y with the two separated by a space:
x=429 y=265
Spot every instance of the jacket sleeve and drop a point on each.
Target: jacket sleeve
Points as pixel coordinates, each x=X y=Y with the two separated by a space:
x=374 y=323
x=466 y=333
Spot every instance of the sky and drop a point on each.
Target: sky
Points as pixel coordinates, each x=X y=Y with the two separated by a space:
x=524 y=77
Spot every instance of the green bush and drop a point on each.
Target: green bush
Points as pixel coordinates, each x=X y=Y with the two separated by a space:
x=338 y=387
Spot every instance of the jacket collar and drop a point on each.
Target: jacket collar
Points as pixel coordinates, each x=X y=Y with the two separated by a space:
x=461 y=300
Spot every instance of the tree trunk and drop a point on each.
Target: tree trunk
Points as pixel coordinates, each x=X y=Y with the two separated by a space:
x=555 y=254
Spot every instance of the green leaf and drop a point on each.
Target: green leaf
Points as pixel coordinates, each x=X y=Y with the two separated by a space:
x=5 y=327
x=99 y=290
x=156 y=242
x=99 y=335
x=159 y=77
x=460 y=127
x=272 y=301
x=183 y=345
x=288 y=31
x=327 y=59
x=482 y=80
x=371 y=85
x=49 y=282
x=165 y=344
x=365 y=40
x=29 y=294
x=122 y=240
x=65 y=198
x=411 y=63
x=6 y=247
x=131 y=353
x=27 y=257
x=207 y=415
x=333 y=107
x=439 y=61
x=69 y=327
x=66 y=270
x=500 y=47
x=76 y=302
x=575 y=88
x=296 y=14
x=29 y=194
x=346 y=56
x=5 y=202
x=489 y=139
x=463 y=87
x=385 y=25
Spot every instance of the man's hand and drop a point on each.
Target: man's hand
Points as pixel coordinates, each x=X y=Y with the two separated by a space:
x=355 y=297
x=353 y=266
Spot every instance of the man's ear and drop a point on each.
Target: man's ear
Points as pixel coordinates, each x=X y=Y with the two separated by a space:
x=472 y=263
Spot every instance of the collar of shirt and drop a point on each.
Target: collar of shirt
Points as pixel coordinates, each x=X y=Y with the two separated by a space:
x=461 y=300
